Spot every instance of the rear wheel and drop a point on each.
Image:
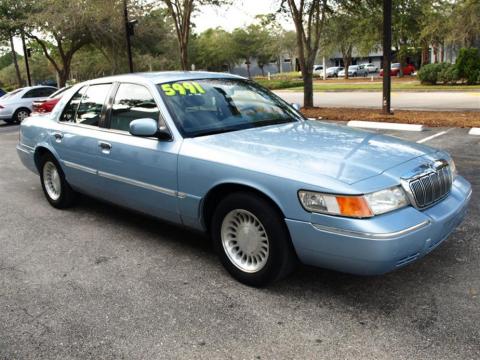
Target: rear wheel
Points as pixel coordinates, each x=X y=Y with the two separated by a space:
x=56 y=189
x=251 y=239
x=20 y=115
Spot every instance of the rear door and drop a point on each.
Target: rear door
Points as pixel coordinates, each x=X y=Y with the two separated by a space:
x=77 y=138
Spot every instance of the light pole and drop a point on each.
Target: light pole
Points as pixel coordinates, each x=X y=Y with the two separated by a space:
x=128 y=33
x=387 y=49
x=25 y=57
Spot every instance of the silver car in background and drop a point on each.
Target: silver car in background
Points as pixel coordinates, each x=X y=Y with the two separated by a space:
x=17 y=105
x=354 y=71
x=333 y=71
x=371 y=68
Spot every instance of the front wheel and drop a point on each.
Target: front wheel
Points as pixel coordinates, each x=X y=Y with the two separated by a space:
x=252 y=240
x=56 y=189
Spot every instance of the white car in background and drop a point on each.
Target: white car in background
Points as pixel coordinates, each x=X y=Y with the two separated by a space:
x=17 y=105
x=371 y=68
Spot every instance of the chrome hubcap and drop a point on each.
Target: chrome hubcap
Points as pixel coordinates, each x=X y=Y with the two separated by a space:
x=51 y=180
x=245 y=240
x=22 y=115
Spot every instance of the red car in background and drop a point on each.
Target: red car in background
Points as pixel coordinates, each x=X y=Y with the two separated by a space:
x=47 y=105
x=409 y=69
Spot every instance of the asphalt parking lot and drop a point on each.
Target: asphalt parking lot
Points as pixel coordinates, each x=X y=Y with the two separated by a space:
x=99 y=282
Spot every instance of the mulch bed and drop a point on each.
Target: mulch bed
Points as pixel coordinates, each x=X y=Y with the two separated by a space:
x=427 y=118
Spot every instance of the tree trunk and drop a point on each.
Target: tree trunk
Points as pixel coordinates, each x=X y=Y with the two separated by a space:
x=15 y=61
x=263 y=71
x=425 y=59
x=248 y=69
x=184 y=56
x=347 y=60
x=307 y=89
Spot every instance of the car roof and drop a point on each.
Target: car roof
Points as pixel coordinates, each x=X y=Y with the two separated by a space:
x=166 y=76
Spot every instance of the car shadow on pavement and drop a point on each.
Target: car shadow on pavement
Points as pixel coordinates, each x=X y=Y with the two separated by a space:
x=318 y=280
x=4 y=124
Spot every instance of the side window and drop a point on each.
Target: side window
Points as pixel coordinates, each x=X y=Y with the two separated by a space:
x=32 y=93
x=91 y=105
x=132 y=102
x=70 y=110
x=46 y=91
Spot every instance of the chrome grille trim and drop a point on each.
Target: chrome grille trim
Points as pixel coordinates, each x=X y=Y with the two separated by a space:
x=429 y=185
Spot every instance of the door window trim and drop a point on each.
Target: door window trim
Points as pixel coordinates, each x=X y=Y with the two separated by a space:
x=101 y=121
x=159 y=120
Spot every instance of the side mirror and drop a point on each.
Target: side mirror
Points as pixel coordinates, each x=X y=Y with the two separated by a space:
x=149 y=128
x=296 y=106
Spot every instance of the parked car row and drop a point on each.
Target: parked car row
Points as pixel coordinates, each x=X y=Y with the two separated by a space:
x=354 y=71
x=334 y=71
x=363 y=70
x=18 y=104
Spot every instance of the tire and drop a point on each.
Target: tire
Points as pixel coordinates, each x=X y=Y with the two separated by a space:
x=56 y=189
x=240 y=218
x=20 y=115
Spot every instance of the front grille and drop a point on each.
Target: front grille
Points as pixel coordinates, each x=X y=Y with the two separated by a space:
x=431 y=187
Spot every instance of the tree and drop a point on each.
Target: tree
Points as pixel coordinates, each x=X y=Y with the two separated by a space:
x=181 y=12
x=12 y=20
x=351 y=28
x=245 y=45
x=465 y=23
x=309 y=18
x=215 y=50
x=64 y=28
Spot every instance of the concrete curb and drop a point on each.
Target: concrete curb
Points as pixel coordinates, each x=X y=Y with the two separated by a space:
x=474 y=131
x=385 y=125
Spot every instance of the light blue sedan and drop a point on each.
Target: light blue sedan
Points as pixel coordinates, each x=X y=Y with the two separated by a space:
x=220 y=154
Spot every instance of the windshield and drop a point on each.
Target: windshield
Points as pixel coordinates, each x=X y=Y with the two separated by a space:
x=212 y=106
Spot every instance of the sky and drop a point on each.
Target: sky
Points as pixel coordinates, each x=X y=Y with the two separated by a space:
x=241 y=13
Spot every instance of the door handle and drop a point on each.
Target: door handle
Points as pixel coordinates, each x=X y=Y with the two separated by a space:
x=105 y=147
x=58 y=136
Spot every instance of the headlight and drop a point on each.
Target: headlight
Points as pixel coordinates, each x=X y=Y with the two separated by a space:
x=453 y=168
x=362 y=206
x=387 y=200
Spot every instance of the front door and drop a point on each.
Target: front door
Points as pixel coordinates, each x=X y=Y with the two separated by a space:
x=140 y=173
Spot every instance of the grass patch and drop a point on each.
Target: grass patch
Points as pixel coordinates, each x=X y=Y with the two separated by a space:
x=277 y=84
x=428 y=118
x=377 y=86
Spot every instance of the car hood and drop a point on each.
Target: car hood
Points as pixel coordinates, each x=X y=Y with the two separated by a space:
x=308 y=150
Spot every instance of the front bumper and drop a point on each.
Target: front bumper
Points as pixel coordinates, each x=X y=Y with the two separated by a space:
x=382 y=243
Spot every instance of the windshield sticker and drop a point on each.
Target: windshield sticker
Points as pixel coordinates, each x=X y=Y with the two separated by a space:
x=183 y=88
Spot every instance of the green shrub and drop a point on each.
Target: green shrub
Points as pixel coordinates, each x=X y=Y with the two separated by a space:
x=428 y=74
x=447 y=73
x=279 y=84
x=468 y=65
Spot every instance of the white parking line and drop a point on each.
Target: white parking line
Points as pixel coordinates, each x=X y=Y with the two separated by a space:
x=474 y=131
x=385 y=125
x=428 y=138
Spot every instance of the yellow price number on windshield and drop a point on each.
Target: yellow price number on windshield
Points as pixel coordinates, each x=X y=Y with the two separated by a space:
x=183 y=88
